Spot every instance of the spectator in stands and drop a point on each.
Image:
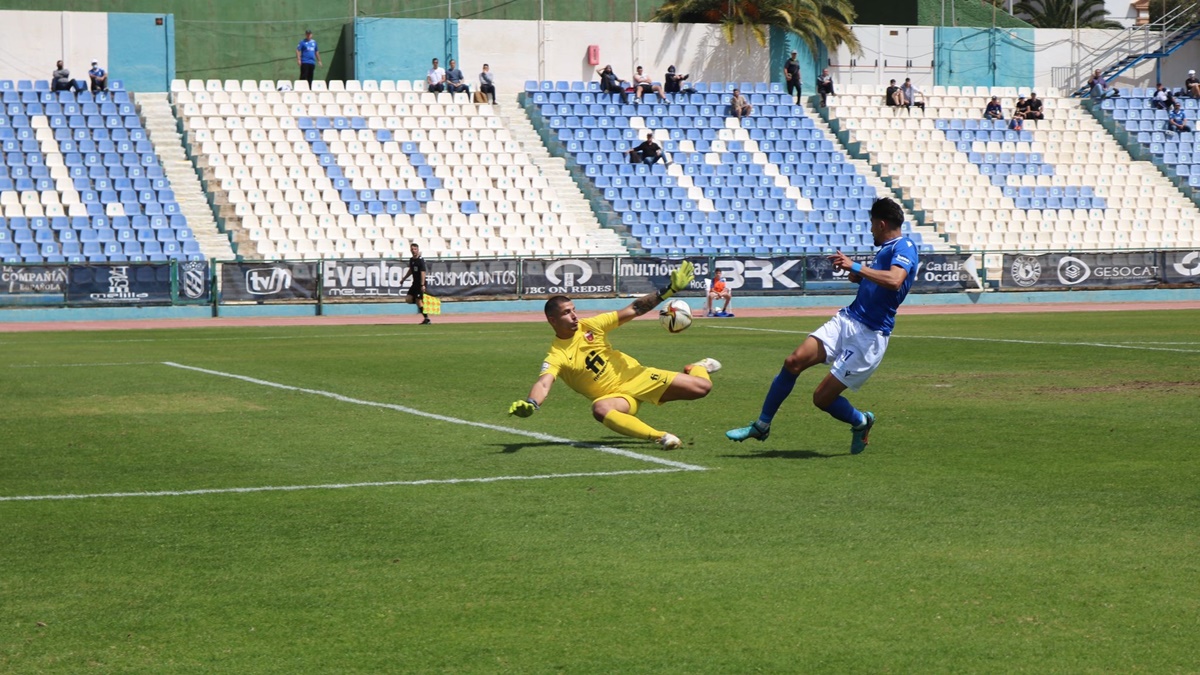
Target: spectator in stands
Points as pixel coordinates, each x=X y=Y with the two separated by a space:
x=791 y=76
x=1177 y=119
x=1035 y=107
x=1098 y=86
x=611 y=84
x=61 y=79
x=307 y=57
x=642 y=85
x=739 y=106
x=673 y=83
x=454 y=80
x=435 y=79
x=1191 y=85
x=994 y=110
x=718 y=289
x=893 y=96
x=1017 y=123
x=487 y=84
x=1163 y=99
x=97 y=77
x=825 y=86
x=647 y=152
x=912 y=94
x=1022 y=106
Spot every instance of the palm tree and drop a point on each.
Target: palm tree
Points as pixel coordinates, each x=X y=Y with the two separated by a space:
x=817 y=22
x=1160 y=8
x=1062 y=13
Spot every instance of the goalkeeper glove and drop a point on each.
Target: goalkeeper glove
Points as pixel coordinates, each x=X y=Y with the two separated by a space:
x=523 y=408
x=681 y=278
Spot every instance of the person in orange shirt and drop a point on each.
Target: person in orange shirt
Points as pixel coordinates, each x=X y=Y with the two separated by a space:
x=718 y=289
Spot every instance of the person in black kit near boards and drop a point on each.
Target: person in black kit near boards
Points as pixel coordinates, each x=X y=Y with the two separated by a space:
x=417 y=270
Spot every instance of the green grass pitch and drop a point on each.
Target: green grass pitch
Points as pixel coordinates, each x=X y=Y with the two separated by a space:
x=1029 y=502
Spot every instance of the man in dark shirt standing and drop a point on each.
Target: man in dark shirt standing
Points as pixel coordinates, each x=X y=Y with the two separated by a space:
x=791 y=75
x=417 y=270
x=648 y=152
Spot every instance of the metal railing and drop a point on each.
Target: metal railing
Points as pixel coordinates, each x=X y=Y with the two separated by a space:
x=1132 y=42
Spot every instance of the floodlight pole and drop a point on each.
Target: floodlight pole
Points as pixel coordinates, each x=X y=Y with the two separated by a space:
x=637 y=35
x=1075 y=40
x=541 y=40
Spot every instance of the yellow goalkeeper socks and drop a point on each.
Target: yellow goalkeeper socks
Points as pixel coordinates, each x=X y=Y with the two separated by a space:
x=699 y=371
x=628 y=425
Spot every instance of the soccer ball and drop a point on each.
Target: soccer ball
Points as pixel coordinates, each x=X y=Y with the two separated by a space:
x=676 y=316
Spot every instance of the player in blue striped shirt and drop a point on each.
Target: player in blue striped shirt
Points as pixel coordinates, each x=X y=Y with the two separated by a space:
x=854 y=340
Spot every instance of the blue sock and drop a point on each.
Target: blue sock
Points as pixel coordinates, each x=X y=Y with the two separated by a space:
x=781 y=388
x=841 y=409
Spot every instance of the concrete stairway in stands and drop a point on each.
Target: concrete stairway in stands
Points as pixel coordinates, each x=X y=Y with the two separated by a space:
x=163 y=130
x=575 y=205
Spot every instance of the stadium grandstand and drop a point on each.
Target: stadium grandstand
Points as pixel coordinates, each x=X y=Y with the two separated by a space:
x=194 y=156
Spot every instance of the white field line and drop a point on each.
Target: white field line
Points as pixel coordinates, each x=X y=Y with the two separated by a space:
x=680 y=466
x=1105 y=345
x=673 y=466
x=328 y=486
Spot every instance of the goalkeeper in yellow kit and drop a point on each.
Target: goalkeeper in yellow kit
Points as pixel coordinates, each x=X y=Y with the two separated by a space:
x=583 y=358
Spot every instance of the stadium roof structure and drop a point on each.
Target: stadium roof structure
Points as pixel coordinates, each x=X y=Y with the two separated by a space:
x=965 y=13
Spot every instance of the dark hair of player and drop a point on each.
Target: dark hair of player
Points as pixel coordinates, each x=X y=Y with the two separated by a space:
x=554 y=303
x=888 y=211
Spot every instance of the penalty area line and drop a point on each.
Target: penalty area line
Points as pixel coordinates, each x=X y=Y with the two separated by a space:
x=330 y=486
x=680 y=466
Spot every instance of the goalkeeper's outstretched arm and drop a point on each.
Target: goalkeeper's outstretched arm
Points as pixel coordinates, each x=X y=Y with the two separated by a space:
x=537 y=394
x=680 y=279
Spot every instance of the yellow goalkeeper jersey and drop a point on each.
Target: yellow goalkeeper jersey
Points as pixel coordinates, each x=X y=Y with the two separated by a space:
x=588 y=363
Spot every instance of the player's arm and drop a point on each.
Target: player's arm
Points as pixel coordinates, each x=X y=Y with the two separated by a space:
x=537 y=394
x=891 y=279
x=680 y=279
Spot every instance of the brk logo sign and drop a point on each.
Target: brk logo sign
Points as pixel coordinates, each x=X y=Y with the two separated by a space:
x=758 y=274
x=268 y=280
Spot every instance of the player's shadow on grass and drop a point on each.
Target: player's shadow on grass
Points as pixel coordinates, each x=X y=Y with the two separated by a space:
x=787 y=454
x=509 y=448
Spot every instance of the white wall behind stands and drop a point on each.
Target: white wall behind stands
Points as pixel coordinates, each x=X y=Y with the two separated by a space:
x=511 y=49
x=30 y=43
x=889 y=52
x=1058 y=50
x=1121 y=11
